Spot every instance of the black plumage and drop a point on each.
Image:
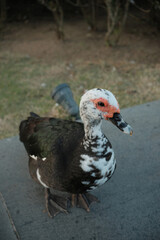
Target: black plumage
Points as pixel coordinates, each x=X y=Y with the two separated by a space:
x=60 y=142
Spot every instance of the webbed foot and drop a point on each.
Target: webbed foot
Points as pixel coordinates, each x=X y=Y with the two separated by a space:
x=83 y=200
x=55 y=204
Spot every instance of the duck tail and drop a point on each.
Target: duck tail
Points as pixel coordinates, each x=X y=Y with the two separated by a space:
x=22 y=130
x=32 y=114
x=26 y=127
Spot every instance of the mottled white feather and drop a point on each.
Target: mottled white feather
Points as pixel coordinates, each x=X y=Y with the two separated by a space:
x=102 y=93
x=86 y=162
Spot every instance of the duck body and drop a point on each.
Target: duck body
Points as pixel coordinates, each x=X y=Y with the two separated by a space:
x=70 y=156
x=62 y=158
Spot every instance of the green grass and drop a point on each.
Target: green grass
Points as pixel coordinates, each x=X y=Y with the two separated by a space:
x=22 y=87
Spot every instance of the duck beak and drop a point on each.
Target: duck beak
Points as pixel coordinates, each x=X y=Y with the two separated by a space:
x=121 y=124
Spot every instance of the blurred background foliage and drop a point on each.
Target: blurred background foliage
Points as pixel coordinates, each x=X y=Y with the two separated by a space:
x=116 y=12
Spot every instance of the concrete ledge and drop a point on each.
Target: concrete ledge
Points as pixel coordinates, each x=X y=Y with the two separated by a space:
x=7 y=228
x=129 y=205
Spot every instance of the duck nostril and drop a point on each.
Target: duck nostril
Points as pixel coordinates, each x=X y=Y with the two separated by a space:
x=117 y=117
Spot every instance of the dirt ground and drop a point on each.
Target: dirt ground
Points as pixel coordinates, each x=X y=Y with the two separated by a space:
x=139 y=44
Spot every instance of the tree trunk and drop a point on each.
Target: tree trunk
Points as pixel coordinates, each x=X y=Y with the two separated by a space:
x=116 y=19
x=55 y=7
x=89 y=12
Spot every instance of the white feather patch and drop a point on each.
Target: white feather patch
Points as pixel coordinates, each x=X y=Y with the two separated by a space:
x=85 y=182
x=39 y=178
x=93 y=174
x=93 y=187
x=101 y=164
x=101 y=181
x=86 y=162
x=34 y=157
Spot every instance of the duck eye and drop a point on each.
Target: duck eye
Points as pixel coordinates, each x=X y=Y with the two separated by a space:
x=101 y=104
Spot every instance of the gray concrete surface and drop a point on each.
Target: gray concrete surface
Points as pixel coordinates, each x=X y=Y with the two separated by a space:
x=129 y=205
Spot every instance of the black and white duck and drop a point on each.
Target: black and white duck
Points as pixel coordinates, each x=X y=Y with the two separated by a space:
x=70 y=156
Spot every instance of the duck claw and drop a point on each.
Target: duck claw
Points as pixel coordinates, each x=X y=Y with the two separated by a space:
x=55 y=204
x=83 y=200
x=91 y=198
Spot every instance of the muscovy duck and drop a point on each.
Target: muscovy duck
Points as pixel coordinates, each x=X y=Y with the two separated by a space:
x=71 y=156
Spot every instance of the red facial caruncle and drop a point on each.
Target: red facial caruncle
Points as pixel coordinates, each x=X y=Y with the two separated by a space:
x=104 y=106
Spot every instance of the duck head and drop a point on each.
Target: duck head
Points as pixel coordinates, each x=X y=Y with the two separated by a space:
x=97 y=104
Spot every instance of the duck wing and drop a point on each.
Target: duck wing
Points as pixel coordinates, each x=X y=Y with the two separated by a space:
x=43 y=137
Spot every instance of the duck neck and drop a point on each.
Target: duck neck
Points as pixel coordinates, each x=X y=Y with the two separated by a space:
x=93 y=129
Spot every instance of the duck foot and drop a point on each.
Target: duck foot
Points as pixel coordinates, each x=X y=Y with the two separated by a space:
x=55 y=204
x=83 y=200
